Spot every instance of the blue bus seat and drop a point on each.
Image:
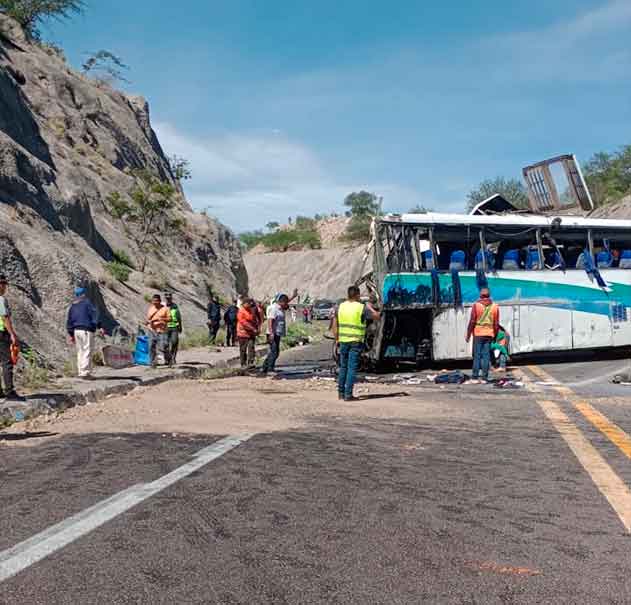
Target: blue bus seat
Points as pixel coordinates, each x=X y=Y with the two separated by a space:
x=533 y=260
x=625 y=259
x=428 y=257
x=490 y=261
x=604 y=259
x=457 y=260
x=511 y=260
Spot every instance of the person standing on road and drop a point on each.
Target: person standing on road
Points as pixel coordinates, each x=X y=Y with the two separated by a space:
x=157 y=322
x=214 y=319
x=174 y=329
x=349 y=327
x=248 y=328
x=483 y=325
x=276 y=329
x=8 y=338
x=230 y=319
x=81 y=325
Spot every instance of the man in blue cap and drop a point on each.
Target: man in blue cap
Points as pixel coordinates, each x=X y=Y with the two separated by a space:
x=81 y=325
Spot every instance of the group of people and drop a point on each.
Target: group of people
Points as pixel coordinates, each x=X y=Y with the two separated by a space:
x=244 y=322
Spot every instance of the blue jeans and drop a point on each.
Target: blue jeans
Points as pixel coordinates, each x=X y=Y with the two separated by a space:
x=481 y=356
x=158 y=343
x=274 y=351
x=350 y=353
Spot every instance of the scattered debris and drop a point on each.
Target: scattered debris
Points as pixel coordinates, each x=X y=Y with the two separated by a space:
x=454 y=377
x=508 y=382
x=503 y=569
x=624 y=379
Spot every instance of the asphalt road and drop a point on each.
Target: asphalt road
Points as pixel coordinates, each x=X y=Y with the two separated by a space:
x=487 y=502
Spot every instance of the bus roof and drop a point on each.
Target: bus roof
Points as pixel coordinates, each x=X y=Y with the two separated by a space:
x=518 y=220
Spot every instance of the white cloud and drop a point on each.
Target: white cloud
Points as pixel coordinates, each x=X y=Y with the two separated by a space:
x=590 y=46
x=249 y=180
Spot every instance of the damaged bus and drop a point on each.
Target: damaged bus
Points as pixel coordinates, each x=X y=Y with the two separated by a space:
x=562 y=282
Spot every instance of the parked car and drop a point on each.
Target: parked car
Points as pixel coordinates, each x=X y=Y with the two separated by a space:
x=322 y=309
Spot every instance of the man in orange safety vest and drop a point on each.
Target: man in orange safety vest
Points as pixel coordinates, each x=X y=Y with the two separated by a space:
x=483 y=326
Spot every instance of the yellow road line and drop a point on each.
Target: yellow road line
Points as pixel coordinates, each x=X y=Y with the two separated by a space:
x=615 y=434
x=603 y=476
x=611 y=430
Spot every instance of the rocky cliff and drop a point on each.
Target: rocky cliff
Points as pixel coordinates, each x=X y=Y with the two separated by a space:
x=66 y=143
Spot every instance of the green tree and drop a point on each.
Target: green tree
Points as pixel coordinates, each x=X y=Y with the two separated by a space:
x=180 y=167
x=510 y=189
x=272 y=226
x=363 y=204
x=107 y=65
x=30 y=14
x=608 y=175
x=146 y=213
x=364 y=207
x=418 y=209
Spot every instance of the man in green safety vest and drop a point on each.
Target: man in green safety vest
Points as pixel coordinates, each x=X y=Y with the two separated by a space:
x=174 y=329
x=349 y=327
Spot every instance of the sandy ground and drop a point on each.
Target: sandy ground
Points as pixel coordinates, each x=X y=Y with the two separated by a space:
x=238 y=405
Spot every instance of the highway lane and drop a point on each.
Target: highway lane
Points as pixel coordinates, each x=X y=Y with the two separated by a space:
x=462 y=496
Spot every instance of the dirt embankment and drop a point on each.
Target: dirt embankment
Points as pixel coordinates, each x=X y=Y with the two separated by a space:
x=324 y=273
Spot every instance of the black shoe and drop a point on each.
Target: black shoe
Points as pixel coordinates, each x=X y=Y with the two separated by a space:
x=340 y=396
x=13 y=396
x=351 y=398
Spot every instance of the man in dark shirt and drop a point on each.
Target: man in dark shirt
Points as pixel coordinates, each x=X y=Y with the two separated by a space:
x=81 y=325
x=230 y=319
x=214 y=319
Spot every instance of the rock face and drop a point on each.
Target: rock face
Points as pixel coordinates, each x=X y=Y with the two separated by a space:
x=66 y=143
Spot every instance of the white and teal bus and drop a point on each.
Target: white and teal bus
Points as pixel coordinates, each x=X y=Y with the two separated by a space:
x=562 y=282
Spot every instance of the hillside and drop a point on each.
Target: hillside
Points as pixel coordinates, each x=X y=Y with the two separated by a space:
x=66 y=143
x=620 y=210
x=323 y=273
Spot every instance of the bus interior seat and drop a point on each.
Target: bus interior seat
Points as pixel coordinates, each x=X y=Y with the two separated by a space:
x=511 y=260
x=625 y=259
x=555 y=260
x=457 y=260
x=533 y=260
x=604 y=259
x=580 y=261
x=490 y=261
x=428 y=259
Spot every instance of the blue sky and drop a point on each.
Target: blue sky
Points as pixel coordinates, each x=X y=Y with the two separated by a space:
x=285 y=106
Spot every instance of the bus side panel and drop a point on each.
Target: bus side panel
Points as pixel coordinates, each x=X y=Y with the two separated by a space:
x=621 y=335
x=449 y=329
x=544 y=329
x=591 y=330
